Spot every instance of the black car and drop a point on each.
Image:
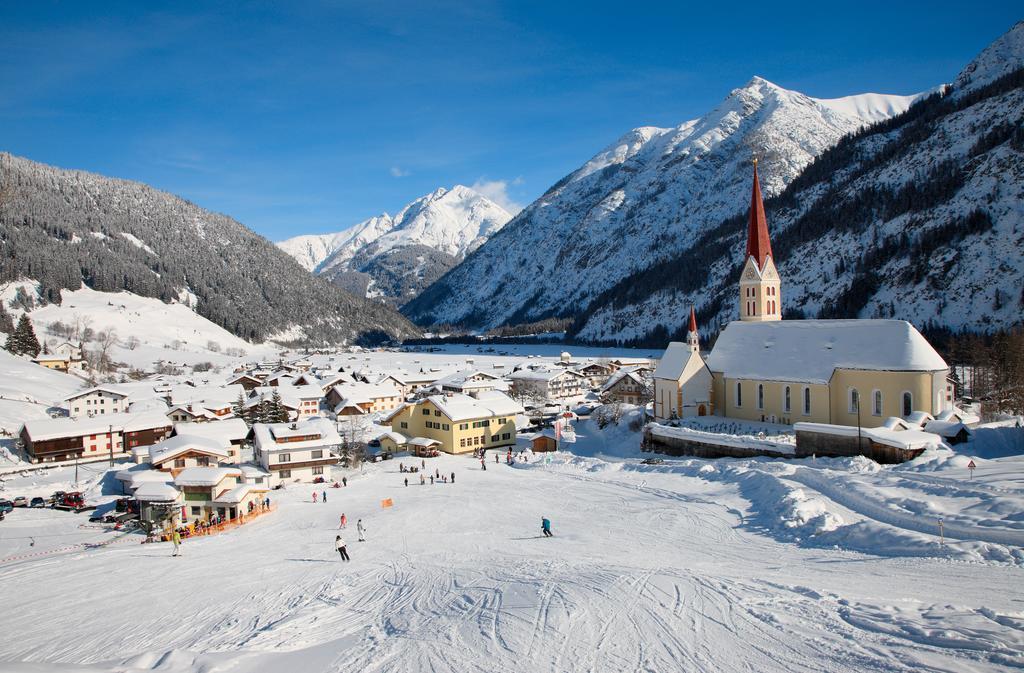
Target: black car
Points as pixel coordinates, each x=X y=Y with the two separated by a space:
x=6 y=506
x=37 y=502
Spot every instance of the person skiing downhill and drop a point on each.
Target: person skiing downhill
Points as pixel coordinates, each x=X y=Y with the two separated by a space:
x=545 y=527
x=361 y=530
x=339 y=544
x=342 y=521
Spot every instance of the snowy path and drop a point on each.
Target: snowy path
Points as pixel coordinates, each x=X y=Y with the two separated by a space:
x=855 y=501
x=649 y=571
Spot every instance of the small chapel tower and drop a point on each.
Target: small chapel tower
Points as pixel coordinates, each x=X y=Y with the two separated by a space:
x=760 y=300
x=692 y=336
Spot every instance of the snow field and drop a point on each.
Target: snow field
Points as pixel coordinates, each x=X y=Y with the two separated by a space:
x=662 y=567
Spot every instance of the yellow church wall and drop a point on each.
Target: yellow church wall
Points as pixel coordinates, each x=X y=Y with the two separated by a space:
x=892 y=385
x=773 y=400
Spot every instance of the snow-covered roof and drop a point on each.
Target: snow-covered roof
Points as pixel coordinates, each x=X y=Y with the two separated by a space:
x=251 y=470
x=809 y=351
x=895 y=423
x=175 y=446
x=674 y=361
x=96 y=389
x=396 y=437
x=55 y=428
x=900 y=439
x=205 y=476
x=459 y=407
x=155 y=491
x=423 y=441
x=919 y=418
x=238 y=493
x=225 y=431
x=634 y=373
x=365 y=393
x=324 y=431
x=947 y=428
x=542 y=374
x=139 y=475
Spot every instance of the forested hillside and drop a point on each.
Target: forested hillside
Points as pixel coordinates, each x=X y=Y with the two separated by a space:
x=64 y=228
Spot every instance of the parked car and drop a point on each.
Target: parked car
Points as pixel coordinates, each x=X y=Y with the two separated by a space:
x=20 y=501
x=6 y=506
x=37 y=502
x=652 y=461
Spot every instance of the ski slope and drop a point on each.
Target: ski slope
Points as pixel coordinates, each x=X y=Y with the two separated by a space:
x=677 y=566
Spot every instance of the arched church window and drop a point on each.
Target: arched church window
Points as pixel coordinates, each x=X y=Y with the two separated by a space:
x=786 y=403
x=908 y=403
x=807 y=401
x=760 y=396
x=876 y=403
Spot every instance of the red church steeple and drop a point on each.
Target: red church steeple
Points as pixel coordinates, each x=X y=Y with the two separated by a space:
x=692 y=337
x=759 y=246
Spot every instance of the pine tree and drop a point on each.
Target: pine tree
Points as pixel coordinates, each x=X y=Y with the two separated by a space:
x=239 y=409
x=277 y=409
x=23 y=340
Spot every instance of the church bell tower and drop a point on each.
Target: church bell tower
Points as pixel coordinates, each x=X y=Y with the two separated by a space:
x=760 y=299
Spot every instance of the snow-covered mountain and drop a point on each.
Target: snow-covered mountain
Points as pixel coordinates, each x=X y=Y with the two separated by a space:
x=396 y=257
x=644 y=198
x=920 y=217
x=66 y=229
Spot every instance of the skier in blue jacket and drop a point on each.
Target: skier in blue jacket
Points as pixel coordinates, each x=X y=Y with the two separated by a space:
x=545 y=527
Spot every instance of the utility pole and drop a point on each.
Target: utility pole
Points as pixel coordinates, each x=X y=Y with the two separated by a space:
x=110 y=438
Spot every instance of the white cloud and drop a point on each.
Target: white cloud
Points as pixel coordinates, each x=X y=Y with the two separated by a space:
x=497 y=191
x=399 y=172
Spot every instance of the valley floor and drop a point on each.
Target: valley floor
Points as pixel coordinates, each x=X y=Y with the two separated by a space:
x=652 y=568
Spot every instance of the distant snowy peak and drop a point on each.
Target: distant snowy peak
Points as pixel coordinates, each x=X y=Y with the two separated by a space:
x=642 y=198
x=870 y=108
x=453 y=221
x=1000 y=58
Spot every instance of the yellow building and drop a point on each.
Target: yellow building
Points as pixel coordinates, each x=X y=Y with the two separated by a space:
x=461 y=423
x=841 y=372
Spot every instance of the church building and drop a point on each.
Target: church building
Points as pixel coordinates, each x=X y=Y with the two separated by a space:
x=682 y=382
x=843 y=372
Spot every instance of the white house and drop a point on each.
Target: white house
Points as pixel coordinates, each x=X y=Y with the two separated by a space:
x=98 y=401
x=300 y=451
x=548 y=383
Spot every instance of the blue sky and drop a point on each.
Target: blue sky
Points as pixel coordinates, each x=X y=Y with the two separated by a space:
x=308 y=117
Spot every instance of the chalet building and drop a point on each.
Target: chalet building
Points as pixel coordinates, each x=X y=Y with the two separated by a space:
x=215 y=490
x=98 y=401
x=247 y=381
x=629 y=385
x=357 y=399
x=184 y=451
x=839 y=372
x=459 y=423
x=301 y=451
x=597 y=373
x=54 y=439
x=231 y=435
x=682 y=381
x=58 y=363
x=547 y=383
x=300 y=401
x=470 y=383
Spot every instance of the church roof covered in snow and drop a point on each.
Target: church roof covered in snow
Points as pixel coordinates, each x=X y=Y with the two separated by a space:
x=673 y=362
x=809 y=351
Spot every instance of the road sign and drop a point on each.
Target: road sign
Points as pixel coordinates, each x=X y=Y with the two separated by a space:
x=971 y=466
